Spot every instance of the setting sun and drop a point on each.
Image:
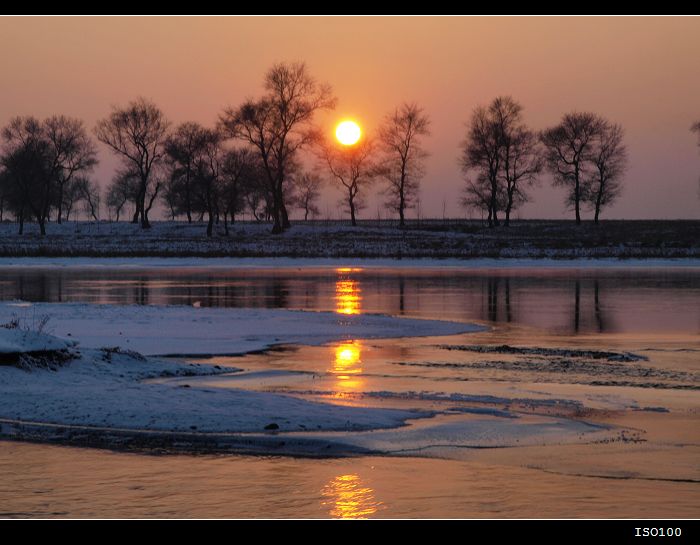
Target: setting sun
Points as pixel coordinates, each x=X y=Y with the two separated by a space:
x=348 y=133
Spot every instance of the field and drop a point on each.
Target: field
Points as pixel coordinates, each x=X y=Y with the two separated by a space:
x=371 y=239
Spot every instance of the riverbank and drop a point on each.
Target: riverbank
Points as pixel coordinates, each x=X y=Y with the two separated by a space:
x=462 y=240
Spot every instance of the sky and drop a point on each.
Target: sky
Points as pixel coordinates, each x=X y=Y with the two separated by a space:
x=643 y=73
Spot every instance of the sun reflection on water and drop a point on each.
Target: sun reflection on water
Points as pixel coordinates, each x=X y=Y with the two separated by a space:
x=347 y=366
x=349 y=497
x=348 y=295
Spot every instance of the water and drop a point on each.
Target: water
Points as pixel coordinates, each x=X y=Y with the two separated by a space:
x=654 y=313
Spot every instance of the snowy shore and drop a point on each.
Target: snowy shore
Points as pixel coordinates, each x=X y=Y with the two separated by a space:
x=107 y=392
x=190 y=331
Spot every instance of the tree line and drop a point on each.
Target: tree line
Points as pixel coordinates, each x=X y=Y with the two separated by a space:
x=253 y=160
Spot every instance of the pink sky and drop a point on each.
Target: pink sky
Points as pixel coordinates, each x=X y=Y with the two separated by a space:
x=641 y=72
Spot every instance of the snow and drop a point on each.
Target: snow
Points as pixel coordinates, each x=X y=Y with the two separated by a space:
x=184 y=330
x=18 y=341
x=335 y=263
x=109 y=388
x=110 y=392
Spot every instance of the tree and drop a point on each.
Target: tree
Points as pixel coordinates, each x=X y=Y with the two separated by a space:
x=609 y=160
x=207 y=168
x=568 y=147
x=27 y=160
x=478 y=195
x=353 y=167
x=74 y=154
x=403 y=162
x=521 y=163
x=137 y=134
x=238 y=167
x=89 y=193
x=483 y=148
x=182 y=148
x=279 y=125
x=308 y=190
x=125 y=187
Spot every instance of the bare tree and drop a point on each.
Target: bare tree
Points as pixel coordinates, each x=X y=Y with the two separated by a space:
x=521 y=163
x=403 y=162
x=483 y=148
x=89 y=193
x=308 y=191
x=27 y=160
x=477 y=196
x=137 y=134
x=568 y=147
x=353 y=167
x=125 y=188
x=278 y=126
x=181 y=148
x=74 y=153
x=208 y=167
x=239 y=166
x=609 y=160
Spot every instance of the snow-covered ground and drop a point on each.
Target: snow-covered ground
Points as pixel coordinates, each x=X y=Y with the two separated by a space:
x=109 y=388
x=129 y=263
x=185 y=330
x=461 y=240
x=102 y=389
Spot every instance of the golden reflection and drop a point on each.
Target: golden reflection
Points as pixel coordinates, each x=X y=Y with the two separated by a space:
x=347 y=366
x=348 y=296
x=348 y=497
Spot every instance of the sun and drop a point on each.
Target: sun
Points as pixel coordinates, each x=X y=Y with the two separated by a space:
x=348 y=132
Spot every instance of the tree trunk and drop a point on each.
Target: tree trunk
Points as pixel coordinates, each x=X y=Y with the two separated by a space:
x=60 y=204
x=598 y=200
x=210 y=224
x=351 y=202
x=577 y=198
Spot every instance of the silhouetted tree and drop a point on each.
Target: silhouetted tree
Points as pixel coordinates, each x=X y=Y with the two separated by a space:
x=238 y=169
x=609 y=160
x=353 y=167
x=483 y=148
x=182 y=148
x=207 y=169
x=27 y=159
x=278 y=126
x=125 y=188
x=137 y=134
x=403 y=162
x=478 y=195
x=73 y=151
x=71 y=195
x=89 y=193
x=521 y=163
x=568 y=146
x=308 y=190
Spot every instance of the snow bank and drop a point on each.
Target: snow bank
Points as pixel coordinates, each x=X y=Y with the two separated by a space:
x=182 y=330
x=19 y=341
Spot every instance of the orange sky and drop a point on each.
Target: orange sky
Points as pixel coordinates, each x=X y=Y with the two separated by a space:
x=641 y=72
